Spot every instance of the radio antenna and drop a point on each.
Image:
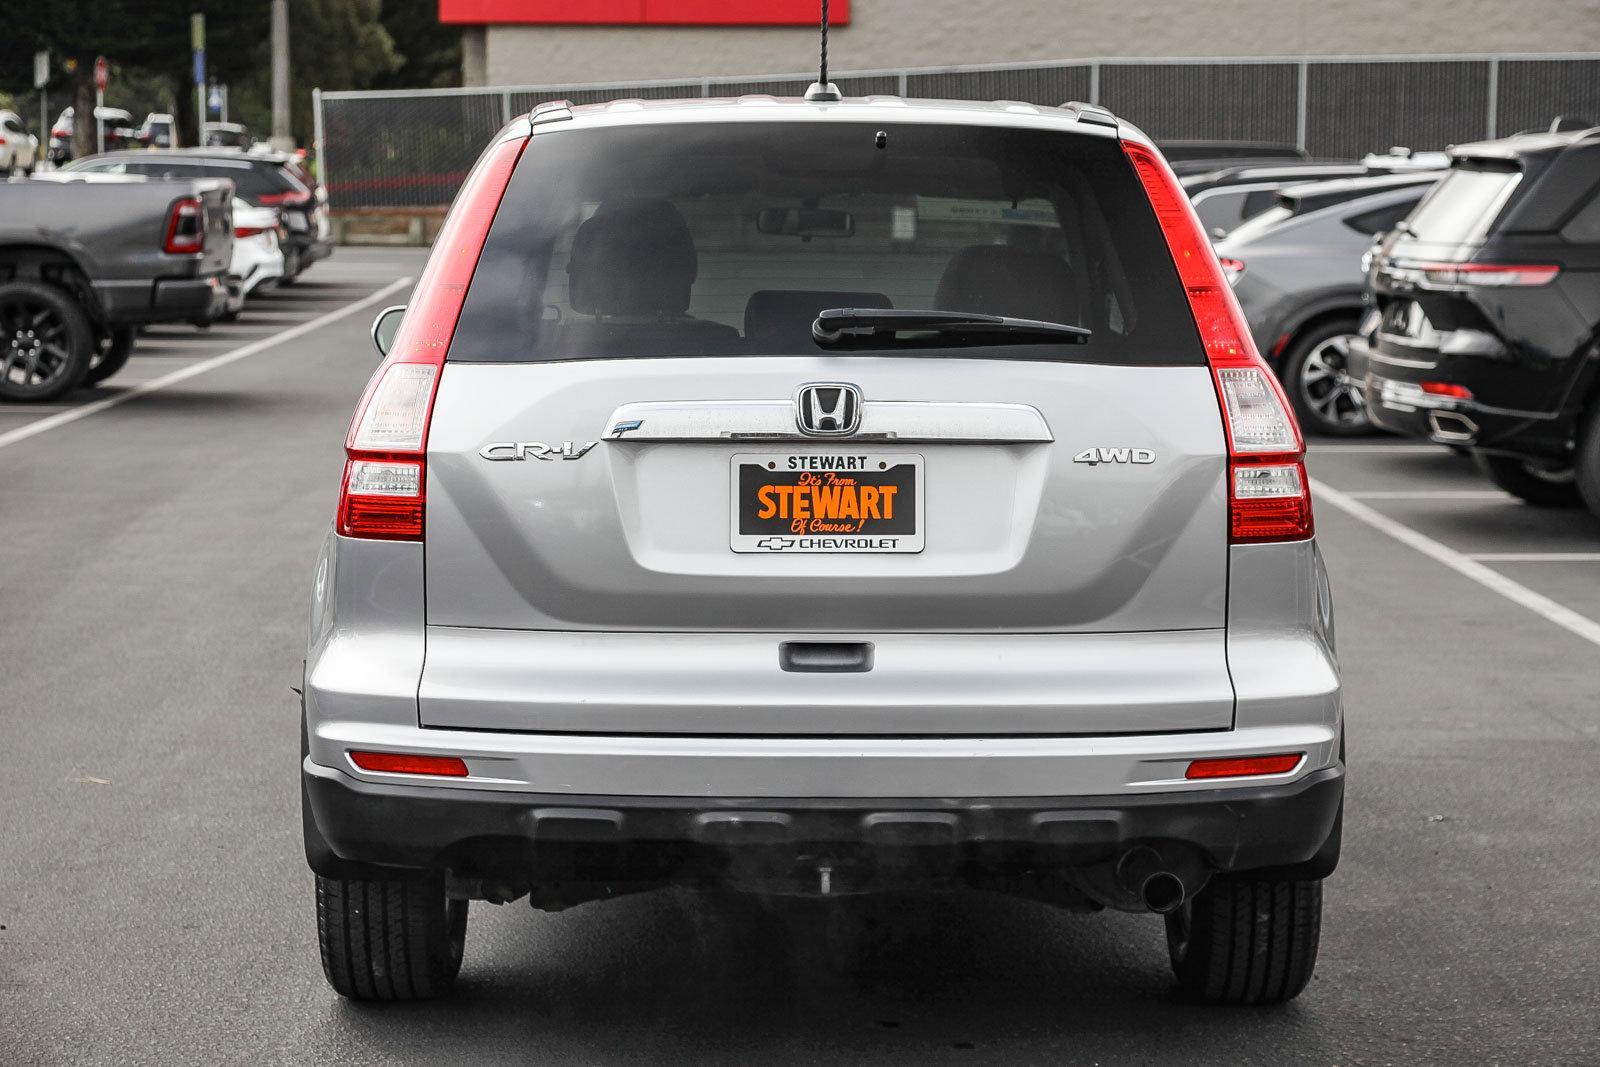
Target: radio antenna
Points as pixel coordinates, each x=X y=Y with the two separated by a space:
x=822 y=90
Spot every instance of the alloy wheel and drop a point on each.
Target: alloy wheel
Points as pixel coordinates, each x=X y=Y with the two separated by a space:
x=35 y=343
x=1327 y=387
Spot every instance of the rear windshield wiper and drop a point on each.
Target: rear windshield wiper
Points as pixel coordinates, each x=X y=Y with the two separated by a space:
x=882 y=327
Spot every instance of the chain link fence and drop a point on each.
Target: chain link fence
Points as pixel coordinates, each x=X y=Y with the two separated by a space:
x=411 y=149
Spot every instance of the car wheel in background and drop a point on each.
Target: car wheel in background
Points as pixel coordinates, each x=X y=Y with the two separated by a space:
x=1539 y=486
x=1246 y=941
x=45 y=341
x=1326 y=399
x=111 y=355
x=390 y=938
x=1586 y=467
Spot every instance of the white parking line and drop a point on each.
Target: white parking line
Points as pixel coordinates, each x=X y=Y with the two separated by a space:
x=1431 y=494
x=83 y=411
x=1536 y=557
x=1461 y=563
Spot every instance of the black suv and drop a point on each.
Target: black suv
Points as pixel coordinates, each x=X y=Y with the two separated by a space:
x=1485 y=330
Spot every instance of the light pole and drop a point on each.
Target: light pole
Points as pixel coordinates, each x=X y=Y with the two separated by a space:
x=281 y=139
x=197 y=42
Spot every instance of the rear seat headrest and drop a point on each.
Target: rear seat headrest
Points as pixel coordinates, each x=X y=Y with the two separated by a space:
x=632 y=257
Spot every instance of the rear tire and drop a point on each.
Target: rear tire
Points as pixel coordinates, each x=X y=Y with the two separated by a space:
x=1586 y=467
x=1540 y=488
x=1315 y=375
x=114 y=349
x=390 y=938
x=1246 y=941
x=45 y=341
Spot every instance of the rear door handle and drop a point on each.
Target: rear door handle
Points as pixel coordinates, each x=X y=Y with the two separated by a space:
x=825 y=657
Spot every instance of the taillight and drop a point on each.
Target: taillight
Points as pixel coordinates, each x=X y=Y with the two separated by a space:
x=249 y=231
x=1269 y=494
x=186 y=227
x=1487 y=275
x=1449 y=389
x=385 y=471
x=1231 y=268
x=294 y=196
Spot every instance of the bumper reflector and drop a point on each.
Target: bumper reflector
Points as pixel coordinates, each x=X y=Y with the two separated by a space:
x=1243 y=766
x=396 y=763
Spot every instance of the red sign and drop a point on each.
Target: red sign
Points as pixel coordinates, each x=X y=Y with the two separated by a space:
x=643 y=12
x=102 y=73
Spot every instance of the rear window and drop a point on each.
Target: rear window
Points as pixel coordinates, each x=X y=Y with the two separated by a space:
x=730 y=238
x=1257 y=225
x=1463 y=205
x=251 y=181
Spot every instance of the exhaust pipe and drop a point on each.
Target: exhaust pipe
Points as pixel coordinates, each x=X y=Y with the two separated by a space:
x=1142 y=873
x=1451 y=428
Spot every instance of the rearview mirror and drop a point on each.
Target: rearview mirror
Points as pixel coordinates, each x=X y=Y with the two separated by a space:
x=805 y=222
x=385 y=326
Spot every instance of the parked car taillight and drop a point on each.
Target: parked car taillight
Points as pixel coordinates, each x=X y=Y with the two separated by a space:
x=385 y=469
x=1231 y=268
x=1494 y=275
x=186 y=226
x=1269 y=494
x=249 y=231
x=293 y=197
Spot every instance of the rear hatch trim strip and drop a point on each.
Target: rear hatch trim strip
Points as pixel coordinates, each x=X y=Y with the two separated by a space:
x=774 y=420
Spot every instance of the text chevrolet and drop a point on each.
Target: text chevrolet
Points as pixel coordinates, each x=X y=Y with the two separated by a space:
x=819 y=497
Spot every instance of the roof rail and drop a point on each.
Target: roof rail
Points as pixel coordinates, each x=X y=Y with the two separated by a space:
x=550 y=111
x=1091 y=113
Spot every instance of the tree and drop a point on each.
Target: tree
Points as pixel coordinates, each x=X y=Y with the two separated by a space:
x=430 y=53
x=336 y=44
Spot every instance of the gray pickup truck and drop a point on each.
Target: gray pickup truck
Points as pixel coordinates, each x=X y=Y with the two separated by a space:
x=86 y=259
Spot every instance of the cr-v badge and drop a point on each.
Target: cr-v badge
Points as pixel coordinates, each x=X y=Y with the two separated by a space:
x=1093 y=456
x=504 y=450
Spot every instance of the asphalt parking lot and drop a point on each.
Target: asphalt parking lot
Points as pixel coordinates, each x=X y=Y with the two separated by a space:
x=158 y=535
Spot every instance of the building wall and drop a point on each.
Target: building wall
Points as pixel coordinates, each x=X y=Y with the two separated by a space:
x=894 y=33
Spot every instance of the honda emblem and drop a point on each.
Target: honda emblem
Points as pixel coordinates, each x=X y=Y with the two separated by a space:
x=828 y=409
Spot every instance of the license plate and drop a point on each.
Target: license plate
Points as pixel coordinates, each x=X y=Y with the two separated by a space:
x=826 y=501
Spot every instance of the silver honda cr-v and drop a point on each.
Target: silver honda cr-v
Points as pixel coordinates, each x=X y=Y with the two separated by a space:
x=812 y=497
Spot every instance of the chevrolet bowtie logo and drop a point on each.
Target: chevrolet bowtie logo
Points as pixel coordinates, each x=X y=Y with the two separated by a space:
x=776 y=544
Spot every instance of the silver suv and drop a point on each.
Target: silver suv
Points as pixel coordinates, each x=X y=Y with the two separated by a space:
x=817 y=497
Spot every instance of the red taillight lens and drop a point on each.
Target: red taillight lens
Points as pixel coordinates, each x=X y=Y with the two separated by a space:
x=1487 y=275
x=249 y=231
x=294 y=196
x=396 y=763
x=1243 y=766
x=1231 y=268
x=1450 y=389
x=1269 y=496
x=386 y=472
x=186 y=227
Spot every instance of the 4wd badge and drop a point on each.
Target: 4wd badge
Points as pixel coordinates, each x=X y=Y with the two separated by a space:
x=1095 y=456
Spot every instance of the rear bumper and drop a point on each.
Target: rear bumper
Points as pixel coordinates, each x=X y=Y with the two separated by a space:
x=306 y=248
x=199 y=299
x=1396 y=402
x=486 y=833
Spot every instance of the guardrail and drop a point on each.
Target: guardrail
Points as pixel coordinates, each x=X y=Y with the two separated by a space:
x=396 y=149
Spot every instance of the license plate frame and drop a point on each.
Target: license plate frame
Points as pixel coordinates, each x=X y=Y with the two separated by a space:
x=849 y=471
